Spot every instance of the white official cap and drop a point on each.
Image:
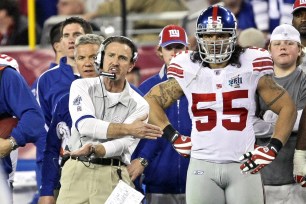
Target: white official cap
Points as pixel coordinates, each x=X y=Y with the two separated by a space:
x=285 y=32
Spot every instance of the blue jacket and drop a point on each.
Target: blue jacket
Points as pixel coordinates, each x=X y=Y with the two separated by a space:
x=34 y=85
x=17 y=100
x=40 y=143
x=52 y=85
x=160 y=154
x=50 y=167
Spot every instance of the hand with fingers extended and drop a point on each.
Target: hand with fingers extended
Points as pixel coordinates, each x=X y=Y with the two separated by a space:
x=181 y=144
x=260 y=157
x=299 y=167
x=140 y=129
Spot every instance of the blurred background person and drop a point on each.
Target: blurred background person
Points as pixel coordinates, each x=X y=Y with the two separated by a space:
x=299 y=22
x=66 y=9
x=113 y=8
x=269 y=14
x=243 y=12
x=71 y=7
x=252 y=37
x=13 y=25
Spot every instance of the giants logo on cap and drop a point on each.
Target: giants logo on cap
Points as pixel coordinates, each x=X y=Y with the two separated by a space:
x=298 y=4
x=174 y=33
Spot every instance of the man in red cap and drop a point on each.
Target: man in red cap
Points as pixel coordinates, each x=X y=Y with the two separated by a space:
x=299 y=169
x=299 y=22
x=164 y=169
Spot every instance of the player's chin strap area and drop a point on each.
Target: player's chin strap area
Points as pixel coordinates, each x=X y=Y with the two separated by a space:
x=108 y=75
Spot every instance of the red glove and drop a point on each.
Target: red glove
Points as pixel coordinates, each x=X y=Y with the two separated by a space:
x=299 y=168
x=260 y=157
x=300 y=179
x=183 y=145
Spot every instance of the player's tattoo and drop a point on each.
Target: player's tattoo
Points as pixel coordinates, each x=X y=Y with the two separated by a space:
x=168 y=92
x=269 y=82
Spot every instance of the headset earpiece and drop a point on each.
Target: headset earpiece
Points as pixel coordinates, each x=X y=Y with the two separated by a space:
x=99 y=59
x=135 y=56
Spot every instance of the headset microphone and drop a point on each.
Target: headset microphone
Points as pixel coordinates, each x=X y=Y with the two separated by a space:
x=108 y=75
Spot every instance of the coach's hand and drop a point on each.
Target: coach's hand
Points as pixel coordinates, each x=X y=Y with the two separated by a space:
x=299 y=168
x=183 y=145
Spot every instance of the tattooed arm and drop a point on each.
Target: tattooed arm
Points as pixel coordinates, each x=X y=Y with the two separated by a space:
x=161 y=97
x=279 y=102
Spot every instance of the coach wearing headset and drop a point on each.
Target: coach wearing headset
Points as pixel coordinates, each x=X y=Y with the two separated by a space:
x=100 y=108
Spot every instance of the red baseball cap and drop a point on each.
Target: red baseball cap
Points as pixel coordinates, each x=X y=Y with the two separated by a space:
x=298 y=4
x=172 y=34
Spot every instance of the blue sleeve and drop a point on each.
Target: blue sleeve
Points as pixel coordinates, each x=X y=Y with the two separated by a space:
x=50 y=167
x=148 y=149
x=146 y=86
x=18 y=101
x=44 y=104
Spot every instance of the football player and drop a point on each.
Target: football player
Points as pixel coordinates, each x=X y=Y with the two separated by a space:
x=220 y=80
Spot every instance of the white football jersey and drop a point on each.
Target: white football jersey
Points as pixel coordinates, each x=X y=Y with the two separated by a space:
x=221 y=103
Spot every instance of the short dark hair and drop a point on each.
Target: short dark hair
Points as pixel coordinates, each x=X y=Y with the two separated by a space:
x=123 y=40
x=55 y=33
x=11 y=7
x=83 y=23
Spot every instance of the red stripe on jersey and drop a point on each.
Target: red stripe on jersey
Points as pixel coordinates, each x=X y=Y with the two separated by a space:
x=176 y=66
x=175 y=70
x=175 y=74
x=215 y=14
x=264 y=62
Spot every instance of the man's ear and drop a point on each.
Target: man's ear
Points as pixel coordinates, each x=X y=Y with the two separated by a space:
x=56 y=46
x=131 y=67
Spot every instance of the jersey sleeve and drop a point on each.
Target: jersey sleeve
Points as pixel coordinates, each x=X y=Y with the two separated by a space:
x=181 y=68
x=22 y=104
x=262 y=63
